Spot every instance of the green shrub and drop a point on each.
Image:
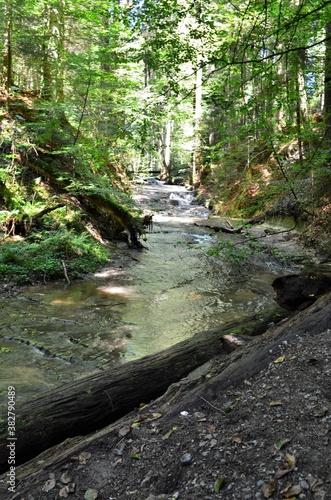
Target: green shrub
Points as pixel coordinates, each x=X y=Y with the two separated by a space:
x=40 y=259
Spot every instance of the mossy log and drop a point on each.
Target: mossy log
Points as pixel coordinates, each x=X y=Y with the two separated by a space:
x=94 y=204
x=22 y=225
x=89 y=404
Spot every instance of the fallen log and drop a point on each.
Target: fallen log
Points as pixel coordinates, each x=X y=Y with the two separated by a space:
x=94 y=402
x=94 y=204
x=222 y=229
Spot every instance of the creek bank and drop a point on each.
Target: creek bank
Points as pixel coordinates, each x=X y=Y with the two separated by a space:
x=255 y=424
x=54 y=334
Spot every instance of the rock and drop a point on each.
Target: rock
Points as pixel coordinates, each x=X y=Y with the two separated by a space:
x=186 y=458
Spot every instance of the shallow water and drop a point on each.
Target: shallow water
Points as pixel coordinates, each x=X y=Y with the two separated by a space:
x=55 y=333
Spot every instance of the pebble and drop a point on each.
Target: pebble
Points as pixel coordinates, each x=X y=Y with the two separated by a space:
x=198 y=414
x=186 y=458
x=304 y=485
x=260 y=483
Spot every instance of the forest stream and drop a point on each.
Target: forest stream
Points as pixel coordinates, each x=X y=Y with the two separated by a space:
x=143 y=302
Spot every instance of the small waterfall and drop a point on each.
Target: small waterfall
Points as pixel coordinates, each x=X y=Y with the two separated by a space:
x=181 y=199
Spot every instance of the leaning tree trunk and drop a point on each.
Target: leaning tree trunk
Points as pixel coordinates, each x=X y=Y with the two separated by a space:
x=91 y=403
x=100 y=203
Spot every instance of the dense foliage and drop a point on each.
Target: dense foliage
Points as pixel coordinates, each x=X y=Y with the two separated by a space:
x=234 y=97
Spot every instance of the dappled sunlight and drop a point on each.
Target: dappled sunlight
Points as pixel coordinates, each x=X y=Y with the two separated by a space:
x=178 y=218
x=110 y=289
x=63 y=302
x=107 y=273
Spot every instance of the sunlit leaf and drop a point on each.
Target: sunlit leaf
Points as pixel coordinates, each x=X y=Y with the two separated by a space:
x=91 y=494
x=49 y=485
x=238 y=440
x=280 y=359
x=290 y=459
x=65 y=479
x=168 y=434
x=84 y=456
x=64 y=492
x=156 y=416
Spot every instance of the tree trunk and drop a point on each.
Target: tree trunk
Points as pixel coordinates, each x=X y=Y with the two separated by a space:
x=167 y=152
x=53 y=49
x=89 y=404
x=197 y=142
x=327 y=85
x=301 y=99
x=256 y=356
x=7 y=61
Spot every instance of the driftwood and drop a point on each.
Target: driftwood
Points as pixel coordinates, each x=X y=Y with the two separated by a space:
x=94 y=402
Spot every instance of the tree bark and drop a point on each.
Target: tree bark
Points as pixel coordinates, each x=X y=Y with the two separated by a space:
x=53 y=48
x=7 y=61
x=327 y=85
x=90 y=404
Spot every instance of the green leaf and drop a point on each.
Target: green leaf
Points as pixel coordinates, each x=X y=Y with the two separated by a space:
x=219 y=483
x=168 y=434
x=280 y=443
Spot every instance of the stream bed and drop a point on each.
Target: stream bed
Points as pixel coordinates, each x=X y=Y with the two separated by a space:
x=143 y=302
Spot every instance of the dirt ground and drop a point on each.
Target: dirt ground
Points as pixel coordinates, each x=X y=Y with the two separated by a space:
x=264 y=436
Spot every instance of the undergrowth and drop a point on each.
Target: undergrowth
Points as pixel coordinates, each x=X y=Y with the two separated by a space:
x=43 y=256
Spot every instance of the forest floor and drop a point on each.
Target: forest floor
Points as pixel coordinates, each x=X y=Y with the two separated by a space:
x=264 y=434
